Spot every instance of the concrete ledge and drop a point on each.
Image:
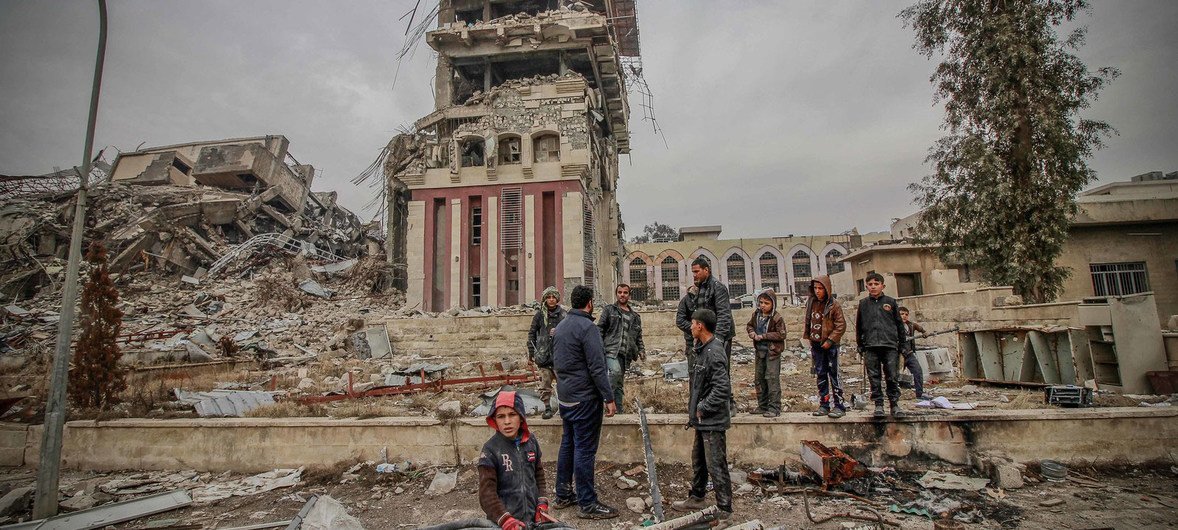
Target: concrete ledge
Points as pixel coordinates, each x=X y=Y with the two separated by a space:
x=1106 y=435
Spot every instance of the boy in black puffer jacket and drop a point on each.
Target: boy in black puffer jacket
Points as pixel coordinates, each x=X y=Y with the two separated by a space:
x=878 y=333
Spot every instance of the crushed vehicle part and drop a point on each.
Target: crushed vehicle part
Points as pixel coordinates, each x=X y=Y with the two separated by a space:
x=831 y=465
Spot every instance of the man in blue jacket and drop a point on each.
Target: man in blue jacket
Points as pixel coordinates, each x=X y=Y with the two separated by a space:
x=582 y=386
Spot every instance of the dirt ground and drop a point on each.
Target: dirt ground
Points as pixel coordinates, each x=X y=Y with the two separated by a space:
x=1121 y=498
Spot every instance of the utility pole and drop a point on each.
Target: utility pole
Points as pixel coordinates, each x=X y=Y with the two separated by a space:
x=45 y=502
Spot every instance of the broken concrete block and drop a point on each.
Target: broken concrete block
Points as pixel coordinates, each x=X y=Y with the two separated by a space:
x=1006 y=476
x=450 y=408
x=17 y=501
x=625 y=483
x=328 y=514
x=313 y=288
x=636 y=504
x=78 y=502
x=444 y=482
x=193 y=353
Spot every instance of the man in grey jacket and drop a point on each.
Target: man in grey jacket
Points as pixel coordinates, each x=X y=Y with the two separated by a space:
x=621 y=331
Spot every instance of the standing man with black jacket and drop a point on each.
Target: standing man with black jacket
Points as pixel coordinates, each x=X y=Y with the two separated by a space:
x=710 y=294
x=582 y=384
x=708 y=413
x=879 y=331
x=621 y=331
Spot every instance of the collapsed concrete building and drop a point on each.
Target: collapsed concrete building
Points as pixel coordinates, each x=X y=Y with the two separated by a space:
x=510 y=185
x=180 y=208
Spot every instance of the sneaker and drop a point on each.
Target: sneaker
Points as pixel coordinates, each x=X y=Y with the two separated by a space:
x=691 y=504
x=771 y=414
x=560 y=504
x=598 y=511
x=837 y=413
x=897 y=412
x=879 y=411
x=759 y=410
x=548 y=412
x=822 y=411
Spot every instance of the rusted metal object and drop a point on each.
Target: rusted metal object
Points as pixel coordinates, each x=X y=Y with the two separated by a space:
x=437 y=386
x=831 y=465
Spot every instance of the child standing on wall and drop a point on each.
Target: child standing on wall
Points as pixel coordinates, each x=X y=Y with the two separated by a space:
x=825 y=326
x=909 y=352
x=879 y=332
x=511 y=477
x=766 y=329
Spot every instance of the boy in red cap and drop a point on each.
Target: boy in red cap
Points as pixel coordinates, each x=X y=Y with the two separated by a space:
x=511 y=478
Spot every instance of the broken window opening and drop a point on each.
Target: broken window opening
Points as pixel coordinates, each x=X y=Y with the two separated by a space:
x=736 y=277
x=531 y=7
x=670 y=272
x=509 y=150
x=833 y=266
x=769 y=272
x=638 y=280
x=547 y=148
x=181 y=166
x=476 y=226
x=801 y=262
x=473 y=151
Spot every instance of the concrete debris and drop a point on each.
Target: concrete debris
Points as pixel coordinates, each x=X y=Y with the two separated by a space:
x=313 y=288
x=16 y=501
x=949 y=481
x=676 y=371
x=450 y=408
x=942 y=402
x=625 y=483
x=444 y=482
x=112 y=514
x=260 y=483
x=224 y=403
x=636 y=505
x=329 y=514
x=1051 y=502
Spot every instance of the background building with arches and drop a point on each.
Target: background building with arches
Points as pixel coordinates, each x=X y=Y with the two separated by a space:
x=662 y=271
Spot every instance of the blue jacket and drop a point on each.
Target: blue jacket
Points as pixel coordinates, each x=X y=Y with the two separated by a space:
x=579 y=360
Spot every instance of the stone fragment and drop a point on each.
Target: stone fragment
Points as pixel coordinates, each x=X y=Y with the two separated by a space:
x=450 y=408
x=1006 y=476
x=1052 y=502
x=636 y=504
x=16 y=501
x=444 y=482
x=625 y=483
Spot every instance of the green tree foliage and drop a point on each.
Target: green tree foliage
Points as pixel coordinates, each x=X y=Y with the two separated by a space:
x=96 y=379
x=1007 y=173
x=656 y=232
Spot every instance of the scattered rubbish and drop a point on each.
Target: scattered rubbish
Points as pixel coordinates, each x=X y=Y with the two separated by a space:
x=1053 y=471
x=1068 y=396
x=675 y=371
x=703 y=516
x=313 y=288
x=942 y=402
x=444 y=482
x=189 y=280
x=111 y=514
x=260 y=483
x=402 y=467
x=335 y=268
x=859 y=513
x=327 y=513
x=830 y=465
x=224 y=403
x=949 y=481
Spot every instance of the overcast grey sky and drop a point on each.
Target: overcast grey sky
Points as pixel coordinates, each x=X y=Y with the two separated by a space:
x=779 y=117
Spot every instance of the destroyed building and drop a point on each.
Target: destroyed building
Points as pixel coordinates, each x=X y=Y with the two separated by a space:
x=510 y=185
x=184 y=209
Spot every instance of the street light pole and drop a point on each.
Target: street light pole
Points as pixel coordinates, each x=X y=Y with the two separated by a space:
x=45 y=502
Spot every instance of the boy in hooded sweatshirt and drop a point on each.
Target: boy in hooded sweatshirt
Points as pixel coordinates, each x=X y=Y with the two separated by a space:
x=825 y=326
x=540 y=334
x=511 y=477
x=766 y=329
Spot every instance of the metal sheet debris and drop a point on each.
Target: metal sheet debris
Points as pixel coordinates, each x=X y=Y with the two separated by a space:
x=224 y=403
x=334 y=268
x=328 y=514
x=378 y=342
x=111 y=514
x=675 y=371
x=313 y=288
x=830 y=464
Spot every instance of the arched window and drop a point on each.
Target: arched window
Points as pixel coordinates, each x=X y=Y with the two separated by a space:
x=638 y=280
x=833 y=266
x=737 y=286
x=546 y=148
x=473 y=151
x=769 y=272
x=509 y=151
x=802 y=273
x=670 y=278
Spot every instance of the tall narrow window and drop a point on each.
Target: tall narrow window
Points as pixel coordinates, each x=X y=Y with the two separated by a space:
x=801 y=262
x=769 y=272
x=547 y=148
x=638 y=280
x=476 y=226
x=737 y=286
x=670 y=271
x=476 y=291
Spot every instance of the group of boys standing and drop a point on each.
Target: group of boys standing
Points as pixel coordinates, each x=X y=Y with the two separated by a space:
x=588 y=364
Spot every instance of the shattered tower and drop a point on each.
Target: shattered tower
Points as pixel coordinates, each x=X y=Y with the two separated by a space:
x=509 y=186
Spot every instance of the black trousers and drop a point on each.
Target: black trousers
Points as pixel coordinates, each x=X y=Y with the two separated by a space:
x=709 y=457
x=886 y=359
x=913 y=366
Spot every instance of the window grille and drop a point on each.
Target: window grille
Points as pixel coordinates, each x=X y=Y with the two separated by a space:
x=670 y=278
x=736 y=277
x=511 y=219
x=638 y=280
x=1115 y=279
x=769 y=272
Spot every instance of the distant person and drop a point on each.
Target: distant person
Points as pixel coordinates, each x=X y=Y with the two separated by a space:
x=511 y=475
x=909 y=352
x=540 y=334
x=621 y=332
x=582 y=383
x=708 y=293
x=709 y=413
x=879 y=332
x=825 y=326
x=766 y=329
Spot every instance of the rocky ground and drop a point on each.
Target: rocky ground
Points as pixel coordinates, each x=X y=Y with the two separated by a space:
x=1124 y=497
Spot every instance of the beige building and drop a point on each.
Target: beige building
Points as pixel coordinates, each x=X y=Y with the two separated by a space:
x=662 y=270
x=509 y=186
x=1123 y=240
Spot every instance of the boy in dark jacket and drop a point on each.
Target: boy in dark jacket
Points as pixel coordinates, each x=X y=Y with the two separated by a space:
x=511 y=477
x=708 y=411
x=766 y=329
x=825 y=326
x=540 y=334
x=909 y=352
x=879 y=332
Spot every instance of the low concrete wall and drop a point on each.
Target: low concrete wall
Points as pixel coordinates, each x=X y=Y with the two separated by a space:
x=1109 y=435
